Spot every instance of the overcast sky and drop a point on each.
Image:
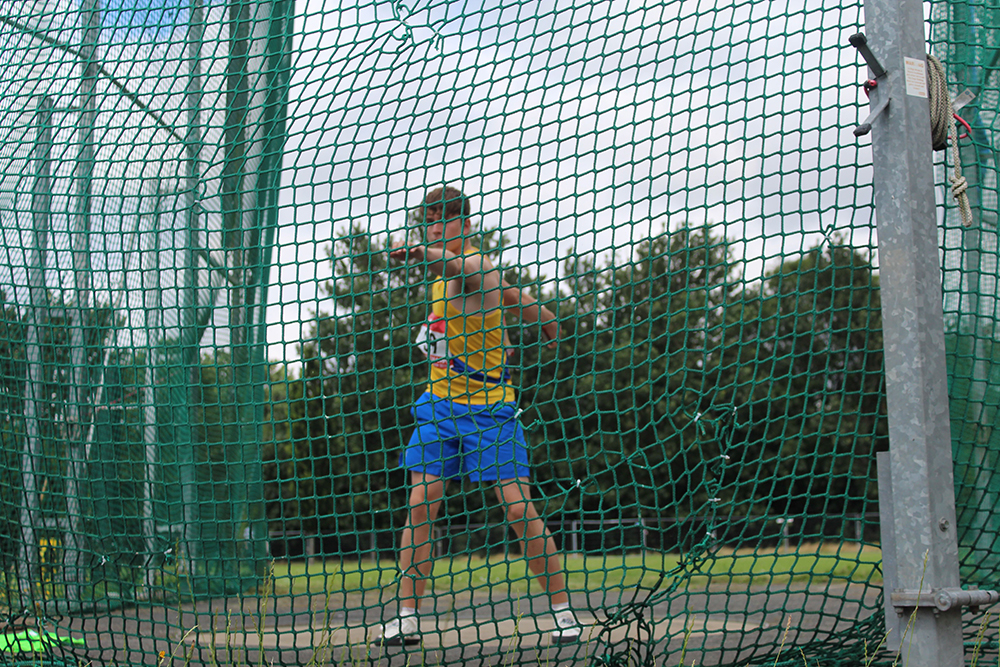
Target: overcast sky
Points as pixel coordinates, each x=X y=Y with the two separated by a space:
x=573 y=124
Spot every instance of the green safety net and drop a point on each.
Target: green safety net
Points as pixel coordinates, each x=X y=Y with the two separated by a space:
x=208 y=359
x=963 y=36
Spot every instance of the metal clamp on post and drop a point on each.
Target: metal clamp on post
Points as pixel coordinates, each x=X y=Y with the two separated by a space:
x=859 y=42
x=942 y=599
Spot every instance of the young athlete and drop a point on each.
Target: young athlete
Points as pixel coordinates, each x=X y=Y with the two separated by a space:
x=467 y=422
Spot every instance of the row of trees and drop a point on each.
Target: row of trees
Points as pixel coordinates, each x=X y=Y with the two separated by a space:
x=677 y=390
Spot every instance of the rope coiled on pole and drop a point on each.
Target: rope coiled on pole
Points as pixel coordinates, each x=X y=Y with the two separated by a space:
x=943 y=122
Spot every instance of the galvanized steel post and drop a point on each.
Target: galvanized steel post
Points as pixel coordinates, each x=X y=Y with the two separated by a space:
x=920 y=546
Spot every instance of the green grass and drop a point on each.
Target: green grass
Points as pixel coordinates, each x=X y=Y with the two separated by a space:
x=812 y=564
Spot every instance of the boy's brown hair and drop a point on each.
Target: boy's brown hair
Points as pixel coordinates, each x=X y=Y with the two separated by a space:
x=455 y=203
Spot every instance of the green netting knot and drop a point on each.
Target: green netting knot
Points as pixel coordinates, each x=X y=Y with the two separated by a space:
x=527 y=427
x=401 y=11
x=612 y=659
x=581 y=485
x=722 y=423
x=635 y=651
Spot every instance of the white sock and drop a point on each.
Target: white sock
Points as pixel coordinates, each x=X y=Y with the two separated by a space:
x=559 y=606
x=407 y=611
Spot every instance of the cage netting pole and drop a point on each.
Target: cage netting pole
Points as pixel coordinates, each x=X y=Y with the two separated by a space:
x=37 y=315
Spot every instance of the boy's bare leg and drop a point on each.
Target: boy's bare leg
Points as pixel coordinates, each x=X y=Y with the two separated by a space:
x=426 y=493
x=539 y=547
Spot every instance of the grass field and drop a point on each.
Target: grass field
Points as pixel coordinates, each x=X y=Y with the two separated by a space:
x=835 y=563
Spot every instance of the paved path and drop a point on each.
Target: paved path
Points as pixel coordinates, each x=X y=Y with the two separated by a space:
x=716 y=626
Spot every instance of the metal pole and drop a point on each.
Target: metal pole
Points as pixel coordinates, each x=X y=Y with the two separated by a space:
x=278 y=67
x=153 y=305
x=241 y=219
x=185 y=385
x=41 y=216
x=923 y=548
x=81 y=397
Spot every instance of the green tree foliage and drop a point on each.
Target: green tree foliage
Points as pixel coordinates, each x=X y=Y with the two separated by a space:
x=807 y=380
x=675 y=391
x=105 y=475
x=331 y=467
x=974 y=377
x=54 y=412
x=620 y=399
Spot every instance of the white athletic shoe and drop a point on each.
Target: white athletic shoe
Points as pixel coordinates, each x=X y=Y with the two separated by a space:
x=399 y=631
x=567 y=629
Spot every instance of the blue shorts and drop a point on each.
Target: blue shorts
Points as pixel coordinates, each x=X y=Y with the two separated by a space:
x=481 y=442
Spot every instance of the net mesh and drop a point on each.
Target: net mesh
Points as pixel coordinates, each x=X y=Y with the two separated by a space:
x=208 y=357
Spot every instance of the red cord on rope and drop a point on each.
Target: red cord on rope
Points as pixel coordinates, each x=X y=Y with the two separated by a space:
x=965 y=124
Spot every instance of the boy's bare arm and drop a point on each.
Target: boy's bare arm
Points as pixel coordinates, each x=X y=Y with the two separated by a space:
x=531 y=311
x=474 y=271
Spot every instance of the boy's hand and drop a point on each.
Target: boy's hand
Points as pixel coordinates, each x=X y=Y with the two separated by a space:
x=402 y=252
x=550 y=328
x=551 y=331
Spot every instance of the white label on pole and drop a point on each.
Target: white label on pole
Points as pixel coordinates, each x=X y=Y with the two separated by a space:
x=916 y=77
